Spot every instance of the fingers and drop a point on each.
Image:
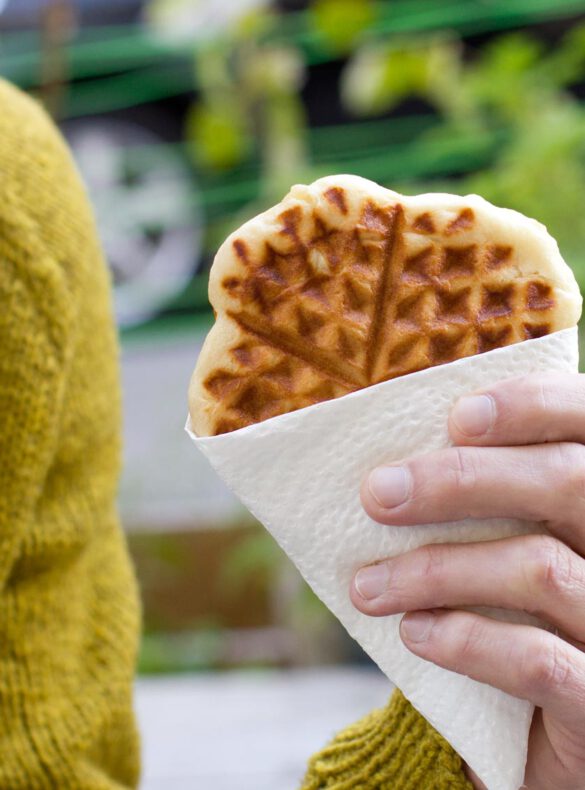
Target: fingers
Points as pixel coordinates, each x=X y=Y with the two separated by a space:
x=523 y=661
x=539 y=483
x=536 y=573
x=528 y=410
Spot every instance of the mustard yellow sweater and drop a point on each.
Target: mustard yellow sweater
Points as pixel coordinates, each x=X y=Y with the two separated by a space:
x=393 y=748
x=68 y=604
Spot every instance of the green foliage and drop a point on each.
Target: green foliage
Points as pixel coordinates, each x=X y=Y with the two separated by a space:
x=308 y=609
x=272 y=71
x=514 y=92
x=541 y=172
x=249 y=104
x=217 y=134
x=566 y=65
x=170 y=653
x=257 y=554
x=382 y=74
x=507 y=80
x=256 y=24
x=340 y=23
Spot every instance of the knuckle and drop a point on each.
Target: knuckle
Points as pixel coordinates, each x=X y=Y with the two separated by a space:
x=432 y=562
x=569 y=466
x=551 y=566
x=526 y=395
x=432 y=559
x=426 y=565
x=468 y=645
x=542 y=393
x=462 y=468
x=547 y=668
x=540 y=397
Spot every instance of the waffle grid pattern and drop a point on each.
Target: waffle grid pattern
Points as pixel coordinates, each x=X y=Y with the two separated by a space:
x=338 y=310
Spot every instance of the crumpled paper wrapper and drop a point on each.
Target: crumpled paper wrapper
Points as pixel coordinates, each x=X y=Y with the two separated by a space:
x=300 y=474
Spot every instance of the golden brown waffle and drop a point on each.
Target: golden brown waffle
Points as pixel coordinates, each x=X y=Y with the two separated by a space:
x=346 y=284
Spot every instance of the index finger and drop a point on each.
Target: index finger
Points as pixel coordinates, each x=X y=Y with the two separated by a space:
x=530 y=410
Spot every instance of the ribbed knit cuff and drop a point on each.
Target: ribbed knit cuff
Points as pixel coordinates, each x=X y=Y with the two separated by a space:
x=394 y=748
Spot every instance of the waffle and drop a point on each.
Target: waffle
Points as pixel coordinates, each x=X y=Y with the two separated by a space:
x=345 y=284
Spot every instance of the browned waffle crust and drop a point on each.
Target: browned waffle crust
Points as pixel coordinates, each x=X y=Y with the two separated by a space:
x=322 y=303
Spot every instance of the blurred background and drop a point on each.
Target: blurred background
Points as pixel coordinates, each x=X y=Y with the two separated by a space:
x=187 y=117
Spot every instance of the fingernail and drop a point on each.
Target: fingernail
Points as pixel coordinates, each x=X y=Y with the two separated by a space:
x=473 y=415
x=389 y=485
x=372 y=581
x=416 y=626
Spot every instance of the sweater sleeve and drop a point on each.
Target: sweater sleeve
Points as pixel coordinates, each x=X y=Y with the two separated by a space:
x=393 y=748
x=35 y=343
x=68 y=600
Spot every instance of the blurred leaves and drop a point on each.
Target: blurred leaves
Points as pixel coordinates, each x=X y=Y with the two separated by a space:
x=258 y=553
x=340 y=23
x=381 y=75
x=217 y=134
x=250 y=106
x=259 y=556
x=190 y=21
x=541 y=172
x=513 y=90
x=507 y=79
x=165 y=653
x=519 y=86
x=273 y=71
x=567 y=64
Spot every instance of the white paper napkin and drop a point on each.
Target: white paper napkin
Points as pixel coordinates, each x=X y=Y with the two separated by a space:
x=300 y=475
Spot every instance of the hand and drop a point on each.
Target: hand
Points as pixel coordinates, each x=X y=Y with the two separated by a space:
x=519 y=452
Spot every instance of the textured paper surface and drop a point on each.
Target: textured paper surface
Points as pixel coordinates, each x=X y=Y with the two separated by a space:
x=300 y=475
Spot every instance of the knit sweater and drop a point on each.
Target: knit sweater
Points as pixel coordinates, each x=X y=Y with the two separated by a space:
x=68 y=603
x=393 y=748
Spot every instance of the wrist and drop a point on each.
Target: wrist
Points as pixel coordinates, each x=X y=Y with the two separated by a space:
x=473 y=778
